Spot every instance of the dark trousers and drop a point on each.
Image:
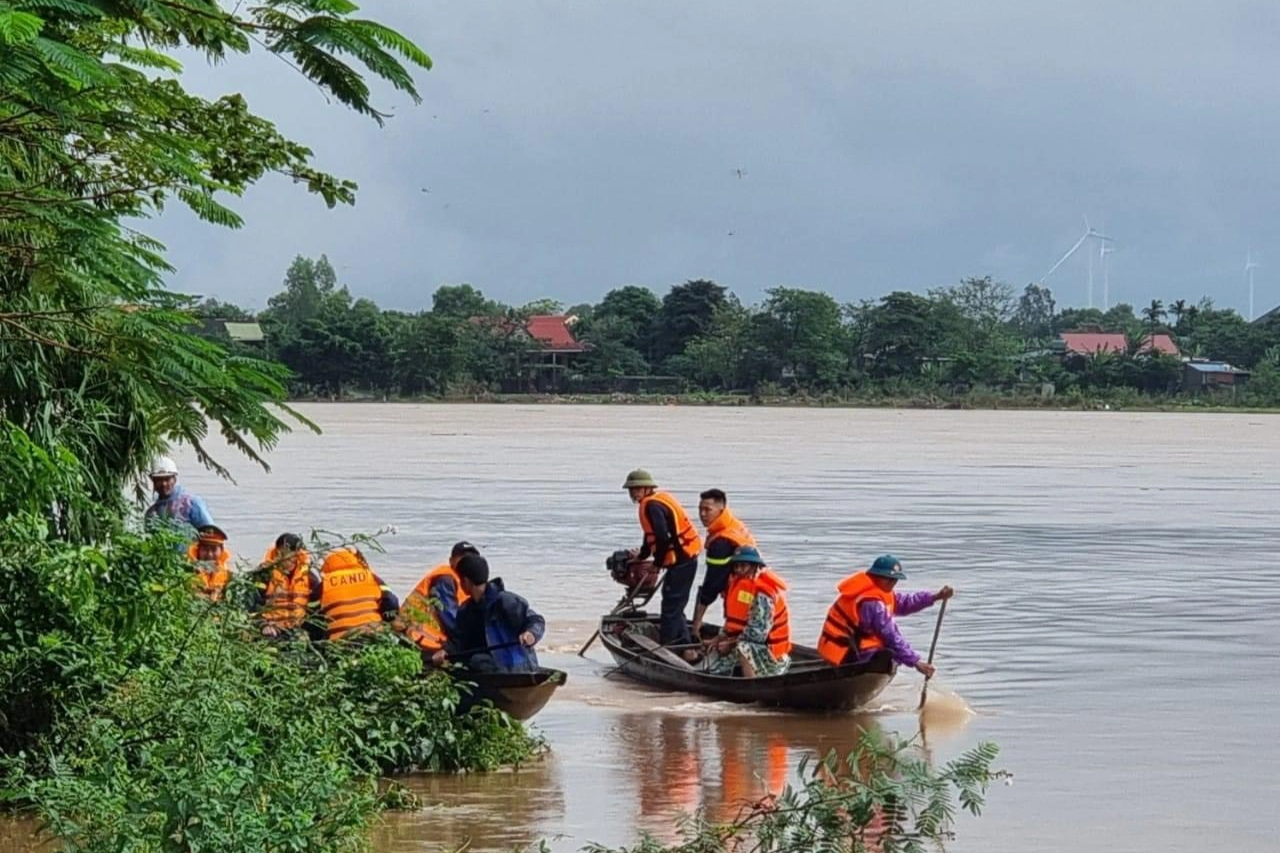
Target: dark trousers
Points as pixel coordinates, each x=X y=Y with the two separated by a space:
x=674 y=628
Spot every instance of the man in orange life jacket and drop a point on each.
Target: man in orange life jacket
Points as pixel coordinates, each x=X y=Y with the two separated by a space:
x=348 y=598
x=756 y=637
x=860 y=627
x=430 y=613
x=725 y=534
x=212 y=562
x=674 y=544
x=284 y=580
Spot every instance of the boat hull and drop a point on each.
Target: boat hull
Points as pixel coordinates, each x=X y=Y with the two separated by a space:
x=520 y=695
x=811 y=684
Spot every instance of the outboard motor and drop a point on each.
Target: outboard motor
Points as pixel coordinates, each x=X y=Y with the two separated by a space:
x=639 y=577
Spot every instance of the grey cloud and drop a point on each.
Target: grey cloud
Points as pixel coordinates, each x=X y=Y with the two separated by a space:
x=886 y=146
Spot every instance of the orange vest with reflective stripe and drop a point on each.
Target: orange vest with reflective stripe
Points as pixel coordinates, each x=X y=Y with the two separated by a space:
x=420 y=613
x=686 y=536
x=840 y=632
x=349 y=593
x=287 y=589
x=728 y=526
x=210 y=583
x=737 y=606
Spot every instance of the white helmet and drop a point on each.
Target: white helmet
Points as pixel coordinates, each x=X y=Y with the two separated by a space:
x=163 y=466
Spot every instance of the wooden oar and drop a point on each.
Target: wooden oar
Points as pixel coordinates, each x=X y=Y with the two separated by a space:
x=627 y=599
x=933 y=646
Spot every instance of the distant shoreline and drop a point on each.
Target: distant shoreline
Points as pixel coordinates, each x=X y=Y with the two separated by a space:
x=971 y=402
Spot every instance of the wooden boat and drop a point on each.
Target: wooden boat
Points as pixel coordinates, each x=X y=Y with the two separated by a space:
x=809 y=684
x=519 y=694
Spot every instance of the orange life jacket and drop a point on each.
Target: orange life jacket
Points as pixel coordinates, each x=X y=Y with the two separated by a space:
x=737 y=607
x=840 y=632
x=211 y=582
x=420 y=609
x=687 y=538
x=288 y=588
x=729 y=527
x=349 y=593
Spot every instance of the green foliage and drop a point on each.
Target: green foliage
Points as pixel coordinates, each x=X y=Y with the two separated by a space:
x=134 y=716
x=886 y=799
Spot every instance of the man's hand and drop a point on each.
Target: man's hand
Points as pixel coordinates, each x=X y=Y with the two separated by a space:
x=695 y=630
x=438 y=657
x=724 y=644
x=925 y=669
x=944 y=593
x=633 y=553
x=528 y=639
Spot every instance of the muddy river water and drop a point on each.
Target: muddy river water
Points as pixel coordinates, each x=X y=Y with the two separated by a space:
x=1114 y=630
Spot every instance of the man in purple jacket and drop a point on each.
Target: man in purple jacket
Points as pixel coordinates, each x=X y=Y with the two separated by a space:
x=860 y=628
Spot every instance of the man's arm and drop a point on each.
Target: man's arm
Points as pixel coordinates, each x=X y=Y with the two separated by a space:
x=663 y=522
x=388 y=604
x=444 y=599
x=906 y=603
x=519 y=615
x=875 y=619
x=199 y=513
x=716 y=579
x=314 y=622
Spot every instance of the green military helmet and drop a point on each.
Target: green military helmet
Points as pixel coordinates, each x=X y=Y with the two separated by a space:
x=640 y=479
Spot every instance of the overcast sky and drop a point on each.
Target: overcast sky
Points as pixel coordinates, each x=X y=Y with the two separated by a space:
x=571 y=147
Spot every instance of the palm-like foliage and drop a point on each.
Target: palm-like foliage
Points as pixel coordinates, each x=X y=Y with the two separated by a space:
x=95 y=127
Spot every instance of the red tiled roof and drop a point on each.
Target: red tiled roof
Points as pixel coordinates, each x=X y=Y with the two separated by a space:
x=1084 y=343
x=552 y=330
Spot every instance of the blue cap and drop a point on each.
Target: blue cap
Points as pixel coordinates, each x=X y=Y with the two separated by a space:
x=887 y=567
x=746 y=554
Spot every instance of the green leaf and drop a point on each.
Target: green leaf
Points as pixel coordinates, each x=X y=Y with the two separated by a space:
x=19 y=27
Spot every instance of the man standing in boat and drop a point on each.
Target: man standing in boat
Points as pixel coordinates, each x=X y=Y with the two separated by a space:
x=672 y=541
x=725 y=535
x=861 y=627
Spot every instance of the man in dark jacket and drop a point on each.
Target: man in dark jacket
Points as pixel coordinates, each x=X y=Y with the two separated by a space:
x=496 y=630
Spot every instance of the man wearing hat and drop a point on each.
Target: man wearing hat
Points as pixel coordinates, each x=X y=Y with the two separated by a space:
x=756 y=637
x=174 y=503
x=496 y=630
x=212 y=561
x=861 y=627
x=673 y=542
x=430 y=612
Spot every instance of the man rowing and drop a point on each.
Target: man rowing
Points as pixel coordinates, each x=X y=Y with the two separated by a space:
x=861 y=627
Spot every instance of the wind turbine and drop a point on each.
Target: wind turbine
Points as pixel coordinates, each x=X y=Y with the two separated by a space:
x=1249 y=267
x=1088 y=233
x=1103 y=251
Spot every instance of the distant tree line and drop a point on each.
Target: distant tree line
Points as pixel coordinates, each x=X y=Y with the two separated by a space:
x=979 y=335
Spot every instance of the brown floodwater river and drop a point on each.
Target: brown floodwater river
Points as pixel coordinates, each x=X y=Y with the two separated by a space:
x=1114 y=628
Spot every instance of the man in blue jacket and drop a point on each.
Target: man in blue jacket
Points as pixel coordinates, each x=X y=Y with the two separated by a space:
x=495 y=630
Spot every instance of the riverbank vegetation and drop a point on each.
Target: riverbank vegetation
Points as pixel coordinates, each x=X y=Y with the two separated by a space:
x=974 y=344
x=883 y=797
x=132 y=715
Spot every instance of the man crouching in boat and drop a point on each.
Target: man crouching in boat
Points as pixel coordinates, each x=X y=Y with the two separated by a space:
x=756 y=636
x=860 y=627
x=430 y=613
x=496 y=630
x=284 y=580
x=348 y=598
